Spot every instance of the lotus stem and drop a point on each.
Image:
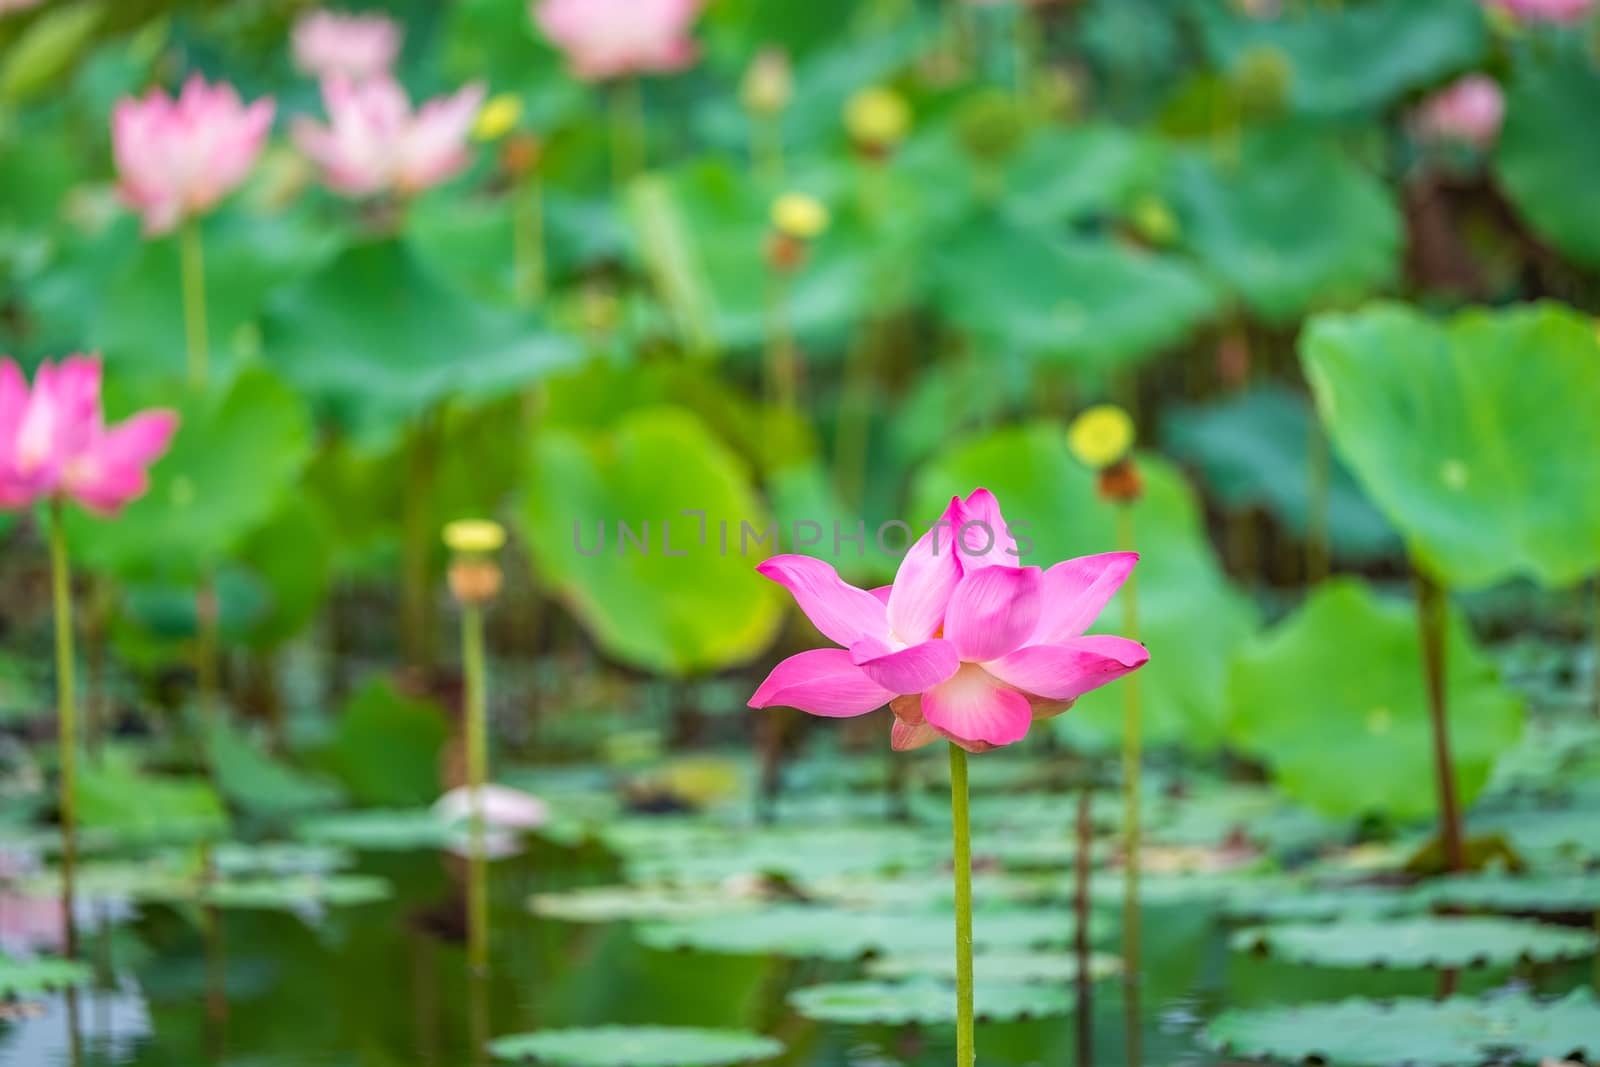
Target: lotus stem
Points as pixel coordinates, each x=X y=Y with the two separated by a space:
x=1431 y=626
x=1316 y=505
x=477 y=723
x=1080 y=933
x=627 y=131
x=766 y=149
x=527 y=235
x=961 y=831
x=207 y=645
x=66 y=717
x=417 y=541
x=192 y=268
x=1132 y=756
x=782 y=365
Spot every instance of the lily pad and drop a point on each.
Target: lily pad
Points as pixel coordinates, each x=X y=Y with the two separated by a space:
x=1442 y=942
x=379 y=830
x=1466 y=434
x=42 y=974
x=926 y=1002
x=841 y=934
x=998 y=968
x=1457 y=1032
x=637 y=1046
x=306 y=892
x=1292 y=902
x=603 y=904
x=1531 y=894
x=1333 y=700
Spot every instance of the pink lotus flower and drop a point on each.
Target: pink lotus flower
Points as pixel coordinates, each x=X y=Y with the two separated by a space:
x=375 y=143
x=328 y=44
x=53 y=441
x=30 y=924
x=611 y=38
x=1469 y=110
x=176 y=158
x=1567 y=11
x=504 y=808
x=965 y=644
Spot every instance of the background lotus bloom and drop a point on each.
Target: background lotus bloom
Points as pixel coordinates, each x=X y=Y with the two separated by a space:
x=176 y=158
x=504 y=808
x=328 y=44
x=964 y=645
x=53 y=442
x=1543 y=10
x=1469 y=110
x=610 y=38
x=375 y=143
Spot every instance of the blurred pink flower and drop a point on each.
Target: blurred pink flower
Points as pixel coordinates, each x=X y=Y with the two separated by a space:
x=31 y=924
x=1469 y=110
x=329 y=44
x=610 y=38
x=7 y=6
x=965 y=644
x=375 y=143
x=504 y=808
x=176 y=158
x=1543 y=10
x=54 y=443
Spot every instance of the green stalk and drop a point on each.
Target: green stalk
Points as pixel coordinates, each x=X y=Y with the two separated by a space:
x=766 y=149
x=66 y=715
x=627 y=131
x=527 y=234
x=1132 y=756
x=191 y=258
x=1080 y=934
x=962 y=835
x=477 y=770
x=1431 y=624
x=1317 y=510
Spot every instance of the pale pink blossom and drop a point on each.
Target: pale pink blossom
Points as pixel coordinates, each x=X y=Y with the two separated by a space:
x=1469 y=110
x=611 y=38
x=7 y=6
x=176 y=158
x=375 y=143
x=966 y=644
x=1567 y=11
x=54 y=442
x=331 y=44
x=504 y=808
x=31 y=924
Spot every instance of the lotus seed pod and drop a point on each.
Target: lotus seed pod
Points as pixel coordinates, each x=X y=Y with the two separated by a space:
x=989 y=127
x=799 y=216
x=498 y=117
x=477 y=537
x=768 y=84
x=1101 y=436
x=877 y=119
x=474 y=579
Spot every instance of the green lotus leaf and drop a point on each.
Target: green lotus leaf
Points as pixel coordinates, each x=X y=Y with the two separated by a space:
x=698 y=853
x=844 y=934
x=1089 y=304
x=1543 y=152
x=386 y=748
x=1403 y=44
x=235 y=455
x=1254 y=450
x=375 y=338
x=1247 y=220
x=258 y=783
x=115 y=797
x=278 y=858
x=1546 y=893
x=926 y=1002
x=1278 y=901
x=42 y=974
x=379 y=830
x=304 y=892
x=680 y=601
x=601 y=904
x=637 y=1046
x=1472 y=435
x=289 y=556
x=1433 y=943
x=1188 y=616
x=1095 y=169
x=1332 y=699
x=1457 y=1032
x=996 y=968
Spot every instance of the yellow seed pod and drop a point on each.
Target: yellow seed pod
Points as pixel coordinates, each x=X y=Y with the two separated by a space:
x=877 y=117
x=498 y=117
x=474 y=536
x=1100 y=436
x=799 y=216
x=768 y=83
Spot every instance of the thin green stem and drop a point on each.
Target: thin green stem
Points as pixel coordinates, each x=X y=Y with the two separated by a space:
x=961 y=831
x=66 y=715
x=1431 y=626
x=477 y=723
x=527 y=234
x=1084 y=840
x=1132 y=758
x=1317 y=505
x=192 y=267
x=627 y=131
x=207 y=650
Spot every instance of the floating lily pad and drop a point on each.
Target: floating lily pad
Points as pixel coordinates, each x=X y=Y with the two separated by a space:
x=1457 y=1032
x=379 y=830
x=1000 y=968
x=1466 y=436
x=43 y=974
x=279 y=858
x=1551 y=894
x=926 y=1002
x=637 y=1046
x=700 y=853
x=608 y=903
x=307 y=892
x=1418 y=943
x=1292 y=902
x=840 y=934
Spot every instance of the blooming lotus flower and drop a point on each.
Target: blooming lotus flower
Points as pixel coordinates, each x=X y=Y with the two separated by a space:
x=53 y=441
x=1469 y=110
x=1542 y=10
x=611 y=38
x=328 y=44
x=965 y=645
x=176 y=158
x=504 y=808
x=374 y=142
